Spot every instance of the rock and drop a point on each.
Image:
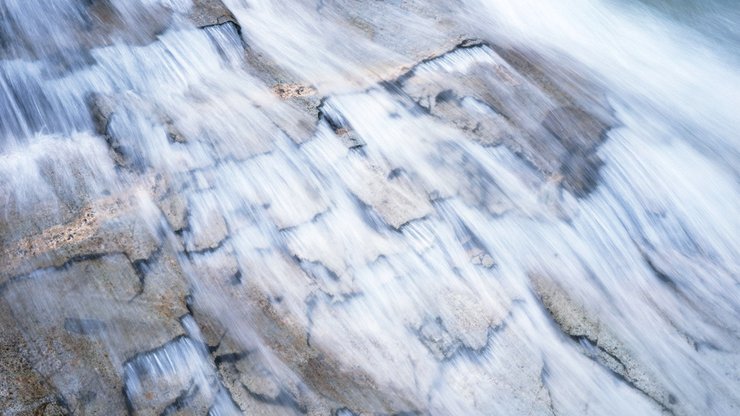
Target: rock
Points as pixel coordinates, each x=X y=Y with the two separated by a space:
x=176 y=378
x=509 y=383
x=23 y=391
x=206 y=225
x=137 y=307
x=174 y=207
x=598 y=342
x=292 y=90
x=254 y=390
x=210 y=12
x=396 y=201
x=264 y=228
x=580 y=133
x=349 y=138
x=439 y=342
x=109 y=225
x=479 y=91
x=49 y=183
x=311 y=243
x=483 y=259
x=577 y=130
x=290 y=195
x=122 y=119
x=101 y=108
x=46 y=299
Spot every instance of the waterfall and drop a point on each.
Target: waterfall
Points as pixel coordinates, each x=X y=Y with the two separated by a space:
x=343 y=207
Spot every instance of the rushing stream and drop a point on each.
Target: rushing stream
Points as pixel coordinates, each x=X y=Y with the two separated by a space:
x=338 y=207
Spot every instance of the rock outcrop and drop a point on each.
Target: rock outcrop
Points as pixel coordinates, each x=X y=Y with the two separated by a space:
x=214 y=229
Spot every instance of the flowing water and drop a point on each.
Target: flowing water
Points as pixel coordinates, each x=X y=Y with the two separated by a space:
x=510 y=207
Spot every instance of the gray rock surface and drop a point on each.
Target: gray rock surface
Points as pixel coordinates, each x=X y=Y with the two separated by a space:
x=225 y=229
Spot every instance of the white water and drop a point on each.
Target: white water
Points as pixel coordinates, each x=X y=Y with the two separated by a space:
x=369 y=250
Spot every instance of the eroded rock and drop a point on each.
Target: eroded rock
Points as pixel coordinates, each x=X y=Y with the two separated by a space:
x=496 y=102
x=210 y=12
x=598 y=342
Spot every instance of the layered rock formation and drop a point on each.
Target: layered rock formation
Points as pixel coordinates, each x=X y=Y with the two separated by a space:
x=201 y=217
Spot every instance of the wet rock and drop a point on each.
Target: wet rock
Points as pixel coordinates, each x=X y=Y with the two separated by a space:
x=55 y=352
x=84 y=326
x=121 y=119
x=469 y=318
x=286 y=204
x=286 y=91
x=349 y=138
x=52 y=308
x=109 y=225
x=255 y=389
x=311 y=243
x=272 y=266
x=176 y=378
x=496 y=102
x=439 y=342
x=577 y=130
x=580 y=133
x=479 y=257
x=88 y=24
x=510 y=383
x=341 y=127
x=280 y=316
x=598 y=342
x=210 y=12
x=175 y=209
x=23 y=391
x=101 y=109
x=206 y=225
x=396 y=201
x=163 y=285
x=48 y=183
